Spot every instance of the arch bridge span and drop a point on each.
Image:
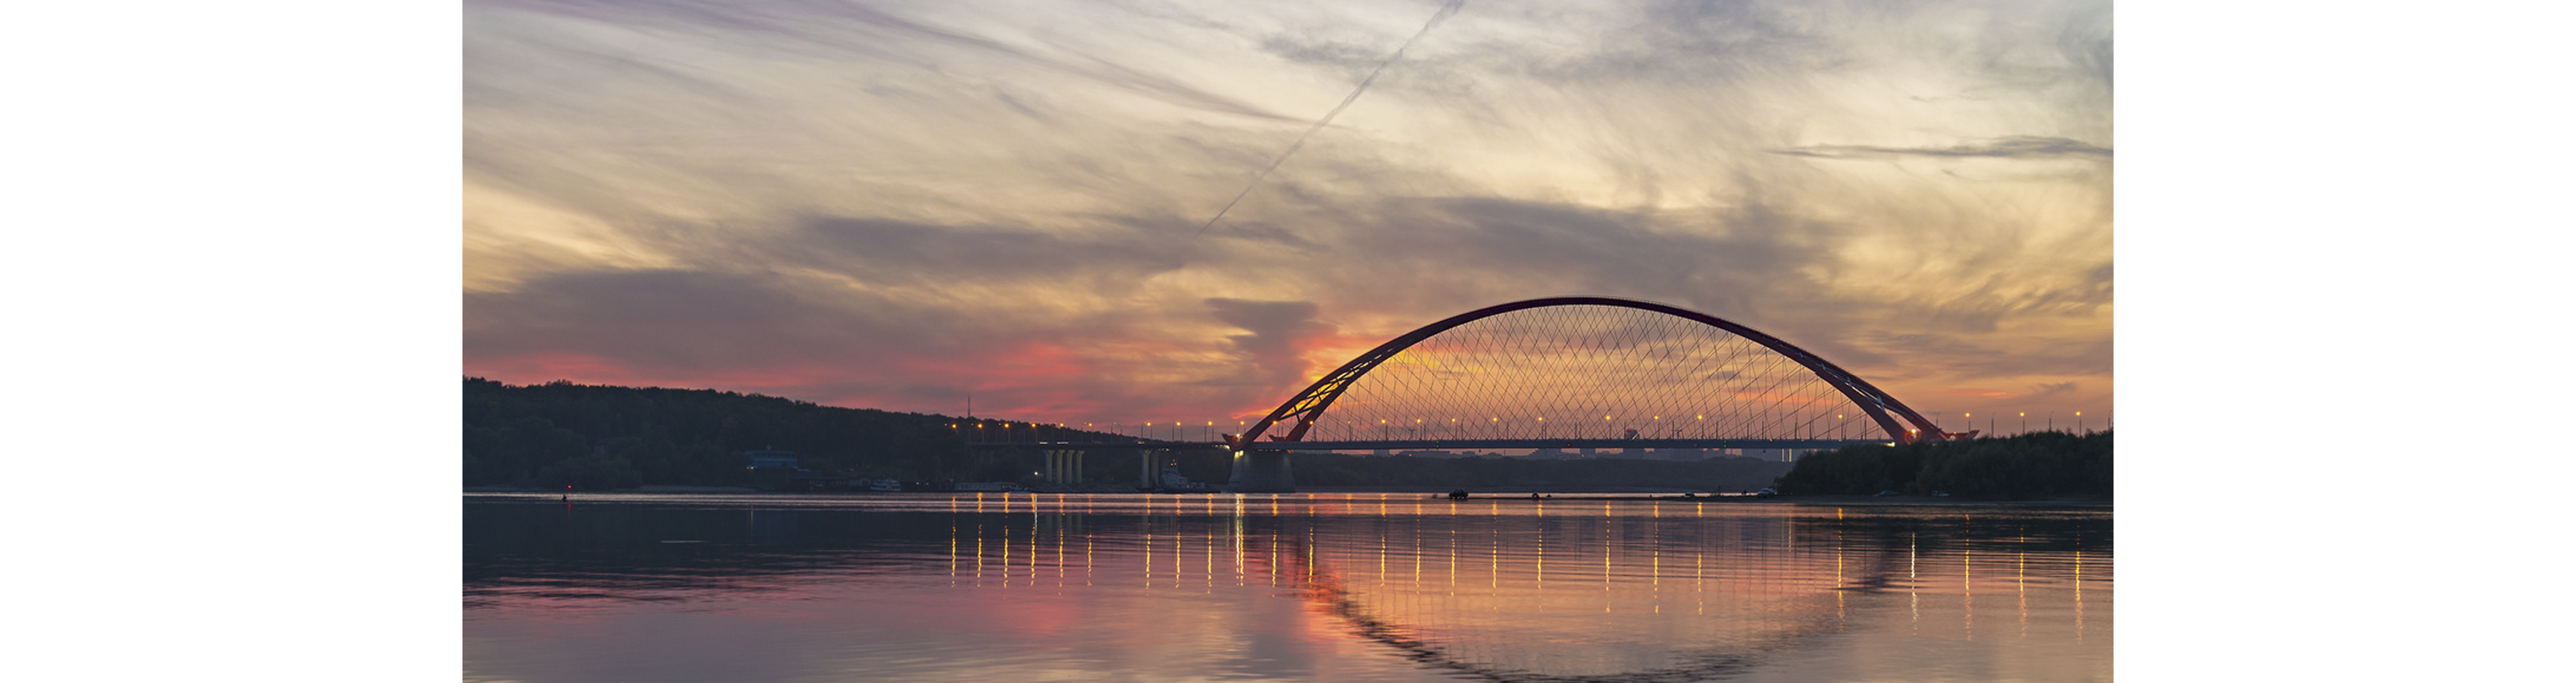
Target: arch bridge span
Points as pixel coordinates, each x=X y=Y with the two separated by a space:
x=1595 y=371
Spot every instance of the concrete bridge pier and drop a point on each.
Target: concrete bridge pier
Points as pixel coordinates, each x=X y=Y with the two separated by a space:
x=1148 y=477
x=1261 y=472
x=1064 y=466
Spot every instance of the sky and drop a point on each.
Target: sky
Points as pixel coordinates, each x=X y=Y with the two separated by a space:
x=898 y=204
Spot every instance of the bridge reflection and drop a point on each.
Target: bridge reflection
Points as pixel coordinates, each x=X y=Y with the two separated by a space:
x=1589 y=590
x=1282 y=586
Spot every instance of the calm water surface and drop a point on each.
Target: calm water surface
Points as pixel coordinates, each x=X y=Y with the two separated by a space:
x=1308 y=587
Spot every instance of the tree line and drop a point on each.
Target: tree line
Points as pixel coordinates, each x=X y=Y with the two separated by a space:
x=2021 y=467
x=1714 y=475
x=595 y=437
x=603 y=437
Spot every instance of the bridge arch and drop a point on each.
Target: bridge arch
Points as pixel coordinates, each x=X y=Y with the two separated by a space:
x=1300 y=412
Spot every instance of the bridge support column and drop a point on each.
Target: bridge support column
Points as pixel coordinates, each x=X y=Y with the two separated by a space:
x=1261 y=472
x=1063 y=466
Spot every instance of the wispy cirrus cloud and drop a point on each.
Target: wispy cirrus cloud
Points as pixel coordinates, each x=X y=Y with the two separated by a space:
x=2018 y=147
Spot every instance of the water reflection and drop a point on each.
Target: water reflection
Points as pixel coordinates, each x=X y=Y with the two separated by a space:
x=1309 y=587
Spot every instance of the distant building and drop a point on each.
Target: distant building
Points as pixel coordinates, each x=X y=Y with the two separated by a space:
x=771 y=470
x=766 y=459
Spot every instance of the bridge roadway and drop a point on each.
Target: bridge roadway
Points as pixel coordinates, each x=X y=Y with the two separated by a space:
x=1441 y=444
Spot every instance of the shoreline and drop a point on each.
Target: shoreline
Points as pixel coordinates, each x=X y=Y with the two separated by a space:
x=1415 y=494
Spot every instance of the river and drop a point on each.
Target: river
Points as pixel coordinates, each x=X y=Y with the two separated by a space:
x=1303 y=587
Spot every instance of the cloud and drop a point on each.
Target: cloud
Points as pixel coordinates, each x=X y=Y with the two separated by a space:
x=2016 y=147
x=1280 y=331
x=856 y=30
x=807 y=337
x=891 y=205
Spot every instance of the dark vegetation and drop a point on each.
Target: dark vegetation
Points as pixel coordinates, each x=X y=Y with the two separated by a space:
x=2023 y=467
x=619 y=437
x=602 y=437
x=1714 y=475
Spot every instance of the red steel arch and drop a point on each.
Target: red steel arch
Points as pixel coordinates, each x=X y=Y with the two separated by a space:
x=1302 y=409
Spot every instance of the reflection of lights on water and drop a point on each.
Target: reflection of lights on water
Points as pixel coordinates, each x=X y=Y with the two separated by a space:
x=1967 y=586
x=1839 y=614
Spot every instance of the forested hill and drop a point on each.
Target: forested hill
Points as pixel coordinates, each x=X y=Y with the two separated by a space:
x=607 y=437
x=2038 y=465
x=617 y=437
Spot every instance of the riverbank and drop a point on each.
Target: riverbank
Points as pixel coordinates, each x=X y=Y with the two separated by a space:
x=1489 y=496
x=1752 y=499
x=648 y=488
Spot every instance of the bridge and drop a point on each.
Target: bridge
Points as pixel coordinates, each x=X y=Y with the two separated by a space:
x=1560 y=373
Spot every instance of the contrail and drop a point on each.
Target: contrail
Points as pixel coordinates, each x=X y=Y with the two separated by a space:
x=1445 y=11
